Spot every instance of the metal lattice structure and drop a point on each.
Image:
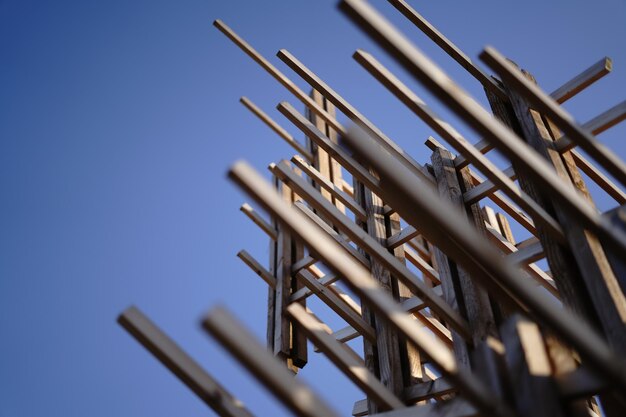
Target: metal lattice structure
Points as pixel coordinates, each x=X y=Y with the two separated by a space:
x=456 y=316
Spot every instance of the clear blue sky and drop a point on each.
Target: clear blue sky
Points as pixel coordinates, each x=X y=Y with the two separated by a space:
x=118 y=120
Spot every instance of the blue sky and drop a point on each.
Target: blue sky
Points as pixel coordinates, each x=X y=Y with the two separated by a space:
x=118 y=121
